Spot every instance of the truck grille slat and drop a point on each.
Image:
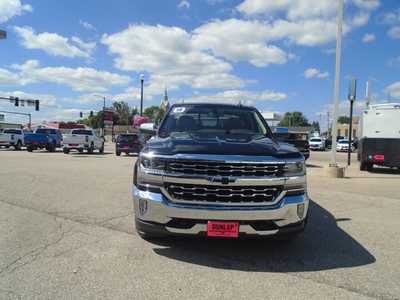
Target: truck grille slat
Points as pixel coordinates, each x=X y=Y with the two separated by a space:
x=225 y=169
x=230 y=194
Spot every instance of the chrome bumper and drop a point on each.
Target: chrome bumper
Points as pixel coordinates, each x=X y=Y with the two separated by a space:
x=156 y=208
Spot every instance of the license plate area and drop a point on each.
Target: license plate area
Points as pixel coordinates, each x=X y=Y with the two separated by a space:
x=223 y=229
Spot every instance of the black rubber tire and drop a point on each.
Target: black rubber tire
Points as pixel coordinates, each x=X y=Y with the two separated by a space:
x=101 y=150
x=370 y=167
x=118 y=153
x=65 y=150
x=52 y=147
x=30 y=149
x=18 y=146
x=363 y=166
x=90 y=149
x=80 y=150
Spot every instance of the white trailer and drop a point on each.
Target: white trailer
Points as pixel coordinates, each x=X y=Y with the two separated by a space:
x=380 y=136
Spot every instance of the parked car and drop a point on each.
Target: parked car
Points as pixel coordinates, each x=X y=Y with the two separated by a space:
x=11 y=137
x=317 y=143
x=83 y=139
x=128 y=143
x=343 y=146
x=44 y=138
x=217 y=170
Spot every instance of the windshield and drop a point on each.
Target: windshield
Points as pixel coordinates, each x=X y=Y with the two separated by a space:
x=343 y=142
x=12 y=131
x=82 y=132
x=315 y=140
x=45 y=131
x=214 y=121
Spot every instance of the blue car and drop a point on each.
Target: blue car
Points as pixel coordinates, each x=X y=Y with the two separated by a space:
x=44 y=138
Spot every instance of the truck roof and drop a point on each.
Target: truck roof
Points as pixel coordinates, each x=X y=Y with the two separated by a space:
x=213 y=105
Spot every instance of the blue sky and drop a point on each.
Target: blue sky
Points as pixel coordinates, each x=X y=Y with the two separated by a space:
x=276 y=55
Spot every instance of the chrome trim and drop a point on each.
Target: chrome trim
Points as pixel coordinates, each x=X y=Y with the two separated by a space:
x=196 y=229
x=223 y=204
x=161 y=210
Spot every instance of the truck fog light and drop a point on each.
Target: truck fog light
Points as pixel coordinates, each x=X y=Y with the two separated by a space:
x=142 y=206
x=300 y=210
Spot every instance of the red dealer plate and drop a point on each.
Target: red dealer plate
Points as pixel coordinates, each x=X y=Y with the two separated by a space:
x=223 y=229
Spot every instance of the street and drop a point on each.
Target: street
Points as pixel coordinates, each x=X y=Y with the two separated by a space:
x=67 y=232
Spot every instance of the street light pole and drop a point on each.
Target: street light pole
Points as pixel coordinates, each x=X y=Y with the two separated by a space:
x=141 y=93
x=336 y=96
x=104 y=109
x=352 y=98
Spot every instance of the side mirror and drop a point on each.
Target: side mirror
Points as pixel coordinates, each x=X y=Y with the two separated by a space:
x=148 y=128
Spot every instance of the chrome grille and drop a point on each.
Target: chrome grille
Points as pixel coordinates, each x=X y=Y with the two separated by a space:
x=225 y=169
x=223 y=194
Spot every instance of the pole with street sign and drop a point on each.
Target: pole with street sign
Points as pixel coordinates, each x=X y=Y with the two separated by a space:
x=352 y=97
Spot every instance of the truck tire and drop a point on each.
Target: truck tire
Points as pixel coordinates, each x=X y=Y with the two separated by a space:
x=66 y=150
x=101 y=150
x=366 y=166
x=18 y=146
x=29 y=148
x=118 y=153
x=90 y=149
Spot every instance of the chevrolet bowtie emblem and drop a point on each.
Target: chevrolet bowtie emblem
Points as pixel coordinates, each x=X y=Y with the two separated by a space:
x=220 y=179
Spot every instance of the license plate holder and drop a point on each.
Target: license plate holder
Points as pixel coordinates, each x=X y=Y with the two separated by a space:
x=225 y=229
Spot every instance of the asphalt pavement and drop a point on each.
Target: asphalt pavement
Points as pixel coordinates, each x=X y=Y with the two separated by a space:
x=67 y=232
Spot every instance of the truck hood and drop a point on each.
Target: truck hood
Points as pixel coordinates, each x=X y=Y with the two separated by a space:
x=184 y=143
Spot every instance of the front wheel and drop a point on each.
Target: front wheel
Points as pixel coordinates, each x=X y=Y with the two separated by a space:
x=66 y=150
x=90 y=149
x=29 y=148
x=18 y=146
x=118 y=153
x=101 y=150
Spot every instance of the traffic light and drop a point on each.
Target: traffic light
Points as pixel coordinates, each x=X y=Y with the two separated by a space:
x=91 y=113
x=81 y=114
x=37 y=105
x=16 y=101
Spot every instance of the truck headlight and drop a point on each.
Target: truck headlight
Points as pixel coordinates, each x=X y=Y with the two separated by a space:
x=152 y=163
x=295 y=168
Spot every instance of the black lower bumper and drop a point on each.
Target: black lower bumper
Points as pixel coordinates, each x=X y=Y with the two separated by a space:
x=153 y=229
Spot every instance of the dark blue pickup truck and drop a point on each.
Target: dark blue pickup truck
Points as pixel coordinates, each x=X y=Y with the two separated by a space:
x=44 y=138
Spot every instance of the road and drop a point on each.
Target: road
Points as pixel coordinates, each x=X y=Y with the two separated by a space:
x=66 y=231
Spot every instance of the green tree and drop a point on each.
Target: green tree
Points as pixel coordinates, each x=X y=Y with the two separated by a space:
x=122 y=114
x=315 y=126
x=344 y=120
x=152 y=112
x=96 y=121
x=294 y=119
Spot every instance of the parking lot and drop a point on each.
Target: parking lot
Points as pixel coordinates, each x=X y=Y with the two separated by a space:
x=67 y=231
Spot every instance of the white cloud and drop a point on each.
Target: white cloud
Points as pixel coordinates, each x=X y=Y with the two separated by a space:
x=170 y=56
x=394 y=89
x=79 y=79
x=184 y=4
x=11 y=8
x=394 y=32
x=315 y=73
x=54 y=44
x=8 y=78
x=368 y=38
x=240 y=40
x=304 y=9
x=87 y=25
x=391 y=17
x=238 y=96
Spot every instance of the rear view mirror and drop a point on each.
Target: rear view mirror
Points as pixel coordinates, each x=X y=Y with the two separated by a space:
x=148 y=128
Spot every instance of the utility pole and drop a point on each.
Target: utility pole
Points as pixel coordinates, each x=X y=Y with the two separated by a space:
x=352 y=98
x=333 y=169
x=141 y=93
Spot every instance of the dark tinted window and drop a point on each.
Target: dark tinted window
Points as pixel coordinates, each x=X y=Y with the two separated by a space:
x=12 y=131
x=213 y=120
x=82 y=132
x=127 y=138
x=46 y=131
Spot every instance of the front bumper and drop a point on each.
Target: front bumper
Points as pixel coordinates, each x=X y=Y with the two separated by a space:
x=154 y=211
